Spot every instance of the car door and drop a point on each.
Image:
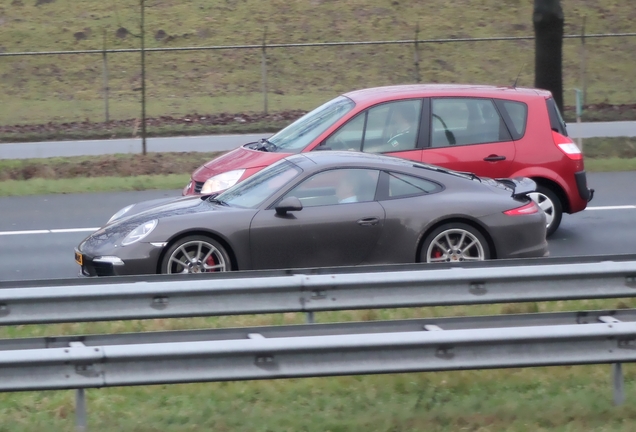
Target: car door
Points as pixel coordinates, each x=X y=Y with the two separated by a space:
x=469 y=134
x=332 y=229
x=391 y=128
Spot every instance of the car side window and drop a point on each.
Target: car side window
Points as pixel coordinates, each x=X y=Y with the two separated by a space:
x=403 y=185
x=337 y=186
x=392 y=127
x=518 y=113
x=461 y=121
x=349 y=136
x=388 y=127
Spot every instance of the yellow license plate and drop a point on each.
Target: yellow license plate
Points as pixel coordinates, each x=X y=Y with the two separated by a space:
x=79 y=258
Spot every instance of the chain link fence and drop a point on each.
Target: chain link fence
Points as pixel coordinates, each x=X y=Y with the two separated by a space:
x=103 y=85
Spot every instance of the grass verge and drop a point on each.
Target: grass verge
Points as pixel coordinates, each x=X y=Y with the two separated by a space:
x=172 y=170
x=533 y=399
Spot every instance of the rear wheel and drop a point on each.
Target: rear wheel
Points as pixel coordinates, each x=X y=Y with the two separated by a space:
x=454 y=242
x=550 y=203
x=195 y=254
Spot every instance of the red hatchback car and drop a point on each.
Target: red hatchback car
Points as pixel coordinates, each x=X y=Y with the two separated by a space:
x=490 y=131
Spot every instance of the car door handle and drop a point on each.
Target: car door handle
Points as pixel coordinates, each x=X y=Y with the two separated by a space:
x=370 y=221
x=494 y=158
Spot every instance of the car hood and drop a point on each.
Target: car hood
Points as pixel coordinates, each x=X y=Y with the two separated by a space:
x=114 y=232
x=240 y=158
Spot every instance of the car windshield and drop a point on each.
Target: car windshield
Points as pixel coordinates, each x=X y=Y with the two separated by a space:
x=303 y=131
x=256 y=189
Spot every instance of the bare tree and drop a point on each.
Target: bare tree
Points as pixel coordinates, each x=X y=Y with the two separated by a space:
x=548 y=47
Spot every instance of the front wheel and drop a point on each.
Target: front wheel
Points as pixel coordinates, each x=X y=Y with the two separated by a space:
x=195 y=254
x=454 y=242
x=551 y=205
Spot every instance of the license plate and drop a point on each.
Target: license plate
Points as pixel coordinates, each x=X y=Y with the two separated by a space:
x=79 y=258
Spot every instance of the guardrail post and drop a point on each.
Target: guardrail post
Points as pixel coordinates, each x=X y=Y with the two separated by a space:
x=310 y=317
x=617 y=377
x=80 y=410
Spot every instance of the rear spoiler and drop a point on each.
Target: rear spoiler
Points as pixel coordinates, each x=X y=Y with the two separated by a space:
x=521 y=186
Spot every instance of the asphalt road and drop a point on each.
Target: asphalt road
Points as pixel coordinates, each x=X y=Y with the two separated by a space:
x=226 y=142
x=38 y=233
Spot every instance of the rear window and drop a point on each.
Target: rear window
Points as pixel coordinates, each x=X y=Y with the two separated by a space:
x=402 y=185
x=556 y=121
x=518 y=114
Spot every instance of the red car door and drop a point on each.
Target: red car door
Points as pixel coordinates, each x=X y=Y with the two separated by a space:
x=468 y=134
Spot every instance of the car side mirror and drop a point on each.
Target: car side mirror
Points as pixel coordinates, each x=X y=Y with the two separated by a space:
x=288 y=204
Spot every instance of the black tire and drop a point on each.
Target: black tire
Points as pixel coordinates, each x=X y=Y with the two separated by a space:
x=205 y=255
x=550 y=203
x=435 y=247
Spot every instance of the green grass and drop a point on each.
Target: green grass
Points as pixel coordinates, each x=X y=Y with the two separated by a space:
x=39 y=89
x=540 y=399
x=40 y=186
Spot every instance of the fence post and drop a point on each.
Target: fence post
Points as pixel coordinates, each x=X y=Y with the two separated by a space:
x=579 y=112
x=105 y=77
x=417 y=53
x=583 y=59
x=264 y=70
x=143 y=82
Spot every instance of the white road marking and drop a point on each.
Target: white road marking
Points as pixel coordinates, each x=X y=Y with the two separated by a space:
x=74 y=230
x=48 y=231
x=621 y=207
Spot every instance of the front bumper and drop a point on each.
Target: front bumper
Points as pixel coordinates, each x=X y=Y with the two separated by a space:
x=142 y=259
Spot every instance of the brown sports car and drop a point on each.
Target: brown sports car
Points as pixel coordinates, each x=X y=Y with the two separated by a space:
x=324 y=209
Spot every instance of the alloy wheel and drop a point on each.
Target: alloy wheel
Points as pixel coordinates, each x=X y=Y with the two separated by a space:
x=196 y=256
x=454 y=245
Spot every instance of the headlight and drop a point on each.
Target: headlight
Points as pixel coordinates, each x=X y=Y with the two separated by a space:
x=186 y=189
x=140 y=232
x=120 y=213
x=222 y=181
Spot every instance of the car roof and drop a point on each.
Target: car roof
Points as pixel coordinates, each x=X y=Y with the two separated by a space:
x=380 y=94
x=331 y=159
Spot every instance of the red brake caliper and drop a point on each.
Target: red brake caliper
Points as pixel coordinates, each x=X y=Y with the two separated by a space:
x=211 y=262
x=437 y=253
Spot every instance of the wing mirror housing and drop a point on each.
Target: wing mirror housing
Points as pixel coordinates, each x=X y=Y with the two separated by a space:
x=287 y=205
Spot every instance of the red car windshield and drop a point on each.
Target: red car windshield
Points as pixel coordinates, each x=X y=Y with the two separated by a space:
x=298 y=135
x=256 y=189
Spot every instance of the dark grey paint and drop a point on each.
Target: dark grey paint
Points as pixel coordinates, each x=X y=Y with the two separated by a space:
x=382 y=231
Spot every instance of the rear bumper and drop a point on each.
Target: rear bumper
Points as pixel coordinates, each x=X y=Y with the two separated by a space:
x=581 y=185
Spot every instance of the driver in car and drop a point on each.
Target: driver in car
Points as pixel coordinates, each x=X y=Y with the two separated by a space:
x=403 y=128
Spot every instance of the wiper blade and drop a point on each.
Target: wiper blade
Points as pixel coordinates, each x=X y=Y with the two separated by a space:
x=217 y=201
x=266 y=145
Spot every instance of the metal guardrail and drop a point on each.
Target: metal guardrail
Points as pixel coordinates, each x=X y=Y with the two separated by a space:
x=96 y=301
x=257 y=357
x=79 y=362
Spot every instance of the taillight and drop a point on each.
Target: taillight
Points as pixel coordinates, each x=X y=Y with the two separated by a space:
x=567 y=146
x=527 y=209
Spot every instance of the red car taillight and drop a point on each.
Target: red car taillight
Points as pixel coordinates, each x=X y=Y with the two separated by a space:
x=527 y=209
x=567 y=146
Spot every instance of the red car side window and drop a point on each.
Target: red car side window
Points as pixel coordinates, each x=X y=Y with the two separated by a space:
x=461 y=121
